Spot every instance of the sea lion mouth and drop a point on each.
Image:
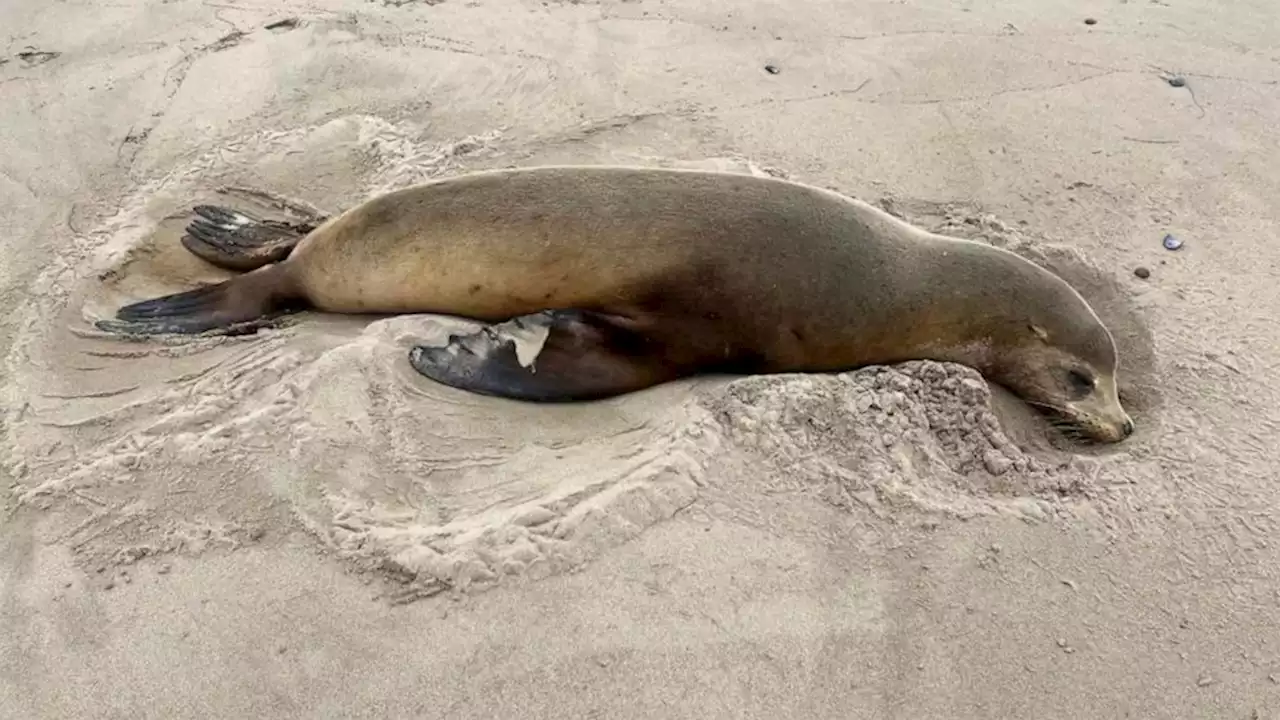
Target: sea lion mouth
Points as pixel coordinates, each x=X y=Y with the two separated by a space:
x=1083 y=430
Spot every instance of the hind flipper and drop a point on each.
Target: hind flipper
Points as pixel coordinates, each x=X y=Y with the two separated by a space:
x=584 y=356
x=235 y=240
x=187 y=326
x=243 y=304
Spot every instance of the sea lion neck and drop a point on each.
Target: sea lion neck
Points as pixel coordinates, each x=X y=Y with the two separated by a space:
x=990 y=300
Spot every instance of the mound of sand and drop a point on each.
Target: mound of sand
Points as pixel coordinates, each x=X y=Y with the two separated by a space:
x=188 y=445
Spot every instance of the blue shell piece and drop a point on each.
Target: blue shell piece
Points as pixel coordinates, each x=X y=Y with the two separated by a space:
x=1171 y=242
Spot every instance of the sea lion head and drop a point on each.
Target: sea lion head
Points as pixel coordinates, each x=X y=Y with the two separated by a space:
x=1064 y=364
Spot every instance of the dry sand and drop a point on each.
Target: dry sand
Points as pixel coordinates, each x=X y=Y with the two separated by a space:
x=296 y=525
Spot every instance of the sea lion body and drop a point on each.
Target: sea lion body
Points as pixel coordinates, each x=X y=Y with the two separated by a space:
x=779 y=256
x=638 y=275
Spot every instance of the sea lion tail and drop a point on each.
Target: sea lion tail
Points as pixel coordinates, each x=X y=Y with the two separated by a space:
x=239 y=306
x=235 y=240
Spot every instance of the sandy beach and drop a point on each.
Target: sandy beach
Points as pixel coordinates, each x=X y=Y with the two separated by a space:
x=297 y=525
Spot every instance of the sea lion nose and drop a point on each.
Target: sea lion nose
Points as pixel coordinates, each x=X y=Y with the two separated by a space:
x=1127 y=428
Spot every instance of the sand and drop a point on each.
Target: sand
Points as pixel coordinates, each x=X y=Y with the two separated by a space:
x=297 y=525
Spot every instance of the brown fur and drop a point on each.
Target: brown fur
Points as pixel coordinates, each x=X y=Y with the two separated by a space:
x=681 y=272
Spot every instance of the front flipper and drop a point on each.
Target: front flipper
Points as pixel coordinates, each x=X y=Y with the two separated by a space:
x=583 y=356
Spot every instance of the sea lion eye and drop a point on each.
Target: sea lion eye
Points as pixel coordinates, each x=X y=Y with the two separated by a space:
x=1080 y=383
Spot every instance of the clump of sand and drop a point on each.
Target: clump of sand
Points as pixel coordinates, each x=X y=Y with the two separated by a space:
x=190 y=445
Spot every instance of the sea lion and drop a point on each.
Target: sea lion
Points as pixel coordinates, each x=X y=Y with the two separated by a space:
x=637 y=276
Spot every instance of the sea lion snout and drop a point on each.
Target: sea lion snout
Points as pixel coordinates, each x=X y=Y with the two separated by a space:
x=1115 y=431
x=1100 y=419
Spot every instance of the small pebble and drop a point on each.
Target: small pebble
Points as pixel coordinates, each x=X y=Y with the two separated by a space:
x=1205 y=681
x=163 y=569
x=1176 y=81
x=1142 y=272
x=772 y=69
x=1090 y=21
x=110 y=585
x=1172 y=243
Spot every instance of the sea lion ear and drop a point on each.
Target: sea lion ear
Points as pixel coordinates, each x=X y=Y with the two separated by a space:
x=1039 y=331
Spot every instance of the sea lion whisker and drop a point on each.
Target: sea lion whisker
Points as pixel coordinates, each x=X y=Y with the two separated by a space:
x=1044 y=405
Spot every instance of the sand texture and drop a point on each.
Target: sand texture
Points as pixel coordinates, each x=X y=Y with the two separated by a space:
x=296 y=524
